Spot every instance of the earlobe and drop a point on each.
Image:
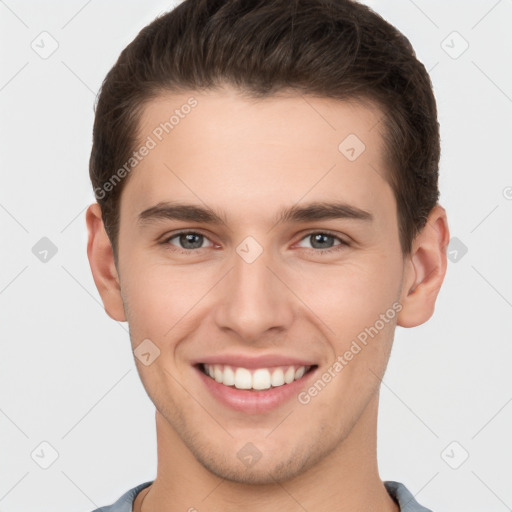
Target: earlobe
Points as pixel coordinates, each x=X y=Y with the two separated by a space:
x=101 y=260
x=425 y=270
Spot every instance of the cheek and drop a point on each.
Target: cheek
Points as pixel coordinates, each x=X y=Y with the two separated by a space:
x=145 y=292
x=358 y=304
x=161 y=298
x=349 y=297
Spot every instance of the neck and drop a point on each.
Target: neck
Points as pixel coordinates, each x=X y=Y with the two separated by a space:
x=346 y=480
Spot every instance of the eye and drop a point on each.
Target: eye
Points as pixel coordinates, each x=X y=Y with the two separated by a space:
x=188 y=240
x=322 y=242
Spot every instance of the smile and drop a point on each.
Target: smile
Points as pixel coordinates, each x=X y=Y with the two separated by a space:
x=256 y=379
x=254 y=390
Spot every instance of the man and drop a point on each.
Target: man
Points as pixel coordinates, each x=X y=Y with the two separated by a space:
x=266 y=176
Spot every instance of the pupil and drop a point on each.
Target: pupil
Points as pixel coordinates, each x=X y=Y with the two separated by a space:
x=320 y=237
x=189 y=237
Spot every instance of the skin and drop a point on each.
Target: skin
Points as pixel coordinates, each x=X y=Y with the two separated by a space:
x=249 y=159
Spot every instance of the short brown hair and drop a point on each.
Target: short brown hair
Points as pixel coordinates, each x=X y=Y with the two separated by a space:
x=330 y=48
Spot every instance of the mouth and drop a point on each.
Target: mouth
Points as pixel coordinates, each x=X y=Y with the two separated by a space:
x=257 y=390
x=258 y=379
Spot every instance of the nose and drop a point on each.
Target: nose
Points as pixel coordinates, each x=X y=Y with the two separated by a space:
x=254 y=299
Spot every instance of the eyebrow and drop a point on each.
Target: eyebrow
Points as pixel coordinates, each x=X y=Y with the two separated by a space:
x=310 y=212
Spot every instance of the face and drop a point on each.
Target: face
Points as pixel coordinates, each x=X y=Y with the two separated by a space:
x=244 y=286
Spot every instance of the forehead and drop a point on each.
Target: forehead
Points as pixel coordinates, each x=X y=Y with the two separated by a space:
x=217 y=146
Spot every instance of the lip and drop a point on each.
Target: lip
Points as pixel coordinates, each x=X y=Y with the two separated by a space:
x=254 y=402
x=253 y=362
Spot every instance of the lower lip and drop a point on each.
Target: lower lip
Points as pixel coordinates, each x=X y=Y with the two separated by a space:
x=254 y=402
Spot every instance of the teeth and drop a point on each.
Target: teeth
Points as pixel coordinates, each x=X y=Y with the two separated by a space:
x=300 y=372
x=289 y=375
x=229 y=376
x=262 y=378
x=243 y=379
x=277 y=377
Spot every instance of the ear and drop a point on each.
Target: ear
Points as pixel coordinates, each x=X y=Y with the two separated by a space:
x=424 y=270
x=101 y=260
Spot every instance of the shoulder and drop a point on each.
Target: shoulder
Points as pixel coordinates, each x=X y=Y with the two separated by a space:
x=125 y=502
x=403 y=497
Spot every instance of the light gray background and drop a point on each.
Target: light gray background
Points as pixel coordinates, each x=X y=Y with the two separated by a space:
x=67 y=375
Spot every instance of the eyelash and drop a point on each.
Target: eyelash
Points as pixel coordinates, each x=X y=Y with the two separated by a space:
x=188 y=252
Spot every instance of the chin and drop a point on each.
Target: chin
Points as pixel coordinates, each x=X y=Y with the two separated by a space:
x=268 y=469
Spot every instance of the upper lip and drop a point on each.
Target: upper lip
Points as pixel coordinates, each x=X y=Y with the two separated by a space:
x=252 y=362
